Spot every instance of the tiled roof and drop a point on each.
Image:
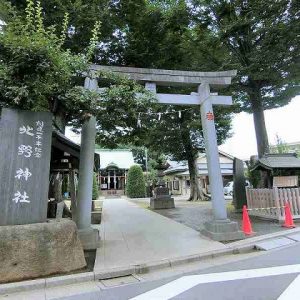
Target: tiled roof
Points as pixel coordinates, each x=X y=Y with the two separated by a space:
x=205 y=172
x=182 y=166
x=183 y=170
x=278 y=161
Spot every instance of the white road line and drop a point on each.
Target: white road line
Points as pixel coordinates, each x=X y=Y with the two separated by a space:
x=293 y=291
x=185 y=283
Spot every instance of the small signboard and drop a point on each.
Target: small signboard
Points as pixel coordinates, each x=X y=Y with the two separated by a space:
x=25 y=151
x=285 y=181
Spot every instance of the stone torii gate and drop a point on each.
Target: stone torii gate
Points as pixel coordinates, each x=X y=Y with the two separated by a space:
x=221 y=228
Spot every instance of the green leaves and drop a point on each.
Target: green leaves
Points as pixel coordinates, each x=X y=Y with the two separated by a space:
x=95 y=193
x=37 y=73
x=262 y=38
x=135 y=187
x=94 y=40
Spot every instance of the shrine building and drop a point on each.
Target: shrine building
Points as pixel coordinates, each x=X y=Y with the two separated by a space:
x=114 y=166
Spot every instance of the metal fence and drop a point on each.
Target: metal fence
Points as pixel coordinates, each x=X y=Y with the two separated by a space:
x=269 y=203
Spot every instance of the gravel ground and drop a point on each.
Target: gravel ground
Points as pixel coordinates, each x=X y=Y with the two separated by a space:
x=195 y=214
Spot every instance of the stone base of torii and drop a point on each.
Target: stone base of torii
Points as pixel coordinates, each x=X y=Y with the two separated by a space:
x=221 y=228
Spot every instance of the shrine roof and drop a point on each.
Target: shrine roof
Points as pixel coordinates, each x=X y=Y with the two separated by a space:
x=278 y=161
x=61 y=142
x=61 y=145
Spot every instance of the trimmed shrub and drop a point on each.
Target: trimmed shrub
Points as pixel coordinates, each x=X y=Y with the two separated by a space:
x=95 y=188
x=136 y=187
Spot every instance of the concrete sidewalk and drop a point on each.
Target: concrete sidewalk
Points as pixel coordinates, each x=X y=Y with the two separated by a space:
x=137 y=241
x=133 y=236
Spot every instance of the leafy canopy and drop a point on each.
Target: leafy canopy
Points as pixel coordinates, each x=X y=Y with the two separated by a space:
x=38 y=73
x=83 y=14
x=261 y=38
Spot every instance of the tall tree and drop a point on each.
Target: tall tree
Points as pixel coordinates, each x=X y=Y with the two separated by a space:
x=262 y=41
x=146 y=33
x=159 y=34
x=38 y=73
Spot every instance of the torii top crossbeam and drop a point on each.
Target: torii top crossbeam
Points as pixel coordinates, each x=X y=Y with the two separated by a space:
x=216 y=80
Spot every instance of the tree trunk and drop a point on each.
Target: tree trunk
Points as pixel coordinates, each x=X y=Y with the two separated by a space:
x=55 y=191
x=58 y=187
x=259 y=122
x=196 y=192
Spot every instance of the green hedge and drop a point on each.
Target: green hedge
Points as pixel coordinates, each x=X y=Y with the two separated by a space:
x=136 y=187
x=95 y=188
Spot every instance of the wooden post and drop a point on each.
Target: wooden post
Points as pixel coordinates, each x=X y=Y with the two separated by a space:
x=277 y=203
x=297 y=195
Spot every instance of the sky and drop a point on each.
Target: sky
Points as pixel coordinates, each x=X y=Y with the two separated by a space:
x=284 y=122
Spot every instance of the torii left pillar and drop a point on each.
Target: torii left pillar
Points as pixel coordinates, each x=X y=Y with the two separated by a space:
x=89 y=236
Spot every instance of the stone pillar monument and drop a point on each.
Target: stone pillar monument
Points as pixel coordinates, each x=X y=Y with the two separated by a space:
x=25 y=165
x=29 y=245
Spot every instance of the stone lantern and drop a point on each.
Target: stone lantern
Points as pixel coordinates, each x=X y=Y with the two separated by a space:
x=161 y=197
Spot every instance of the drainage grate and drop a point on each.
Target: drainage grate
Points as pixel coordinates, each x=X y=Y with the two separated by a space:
x=294 y=237
x=273 y=244
x=119 y=281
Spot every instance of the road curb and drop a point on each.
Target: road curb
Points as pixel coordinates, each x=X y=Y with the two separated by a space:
x=22 y=286
x=252 y=240
x=232 y=248
x=69 y=279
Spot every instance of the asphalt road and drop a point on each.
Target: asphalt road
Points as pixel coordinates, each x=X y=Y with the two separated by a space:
x=271 y=277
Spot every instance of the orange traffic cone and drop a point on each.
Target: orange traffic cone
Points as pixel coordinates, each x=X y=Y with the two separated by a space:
x=288 y=220
x=247 y=227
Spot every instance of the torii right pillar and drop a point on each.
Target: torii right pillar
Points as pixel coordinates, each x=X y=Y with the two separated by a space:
x=221 y=228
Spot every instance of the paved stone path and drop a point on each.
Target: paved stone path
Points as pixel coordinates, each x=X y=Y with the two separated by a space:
x=134 y=235
x=195 y=214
